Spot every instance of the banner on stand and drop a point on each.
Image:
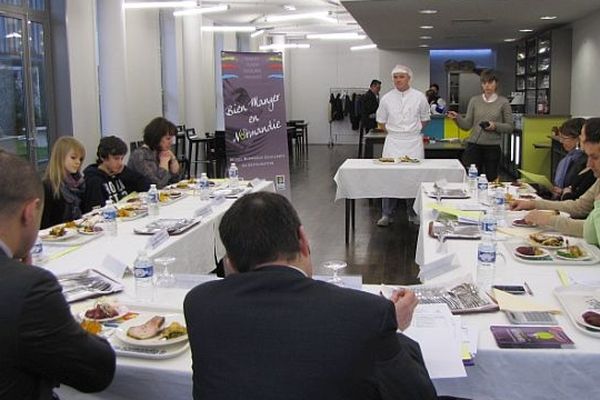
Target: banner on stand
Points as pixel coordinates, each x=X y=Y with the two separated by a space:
x=255 y=121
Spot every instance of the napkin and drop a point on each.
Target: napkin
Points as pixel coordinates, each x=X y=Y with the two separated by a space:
x=511 y=302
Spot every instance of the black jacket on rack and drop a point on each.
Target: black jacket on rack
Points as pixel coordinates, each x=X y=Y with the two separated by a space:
x=337 y=107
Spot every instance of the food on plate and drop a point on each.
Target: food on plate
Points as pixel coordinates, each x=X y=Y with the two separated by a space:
x=133 y=199
x=58 y=231
x=124 y=213
x=91 y=326
x=592 y=317
x=408 y=159
x=164 y=197
x=89 y=229
x=547 y=240
x=148 y=330
x=530 y=251
x=509 y=198
x=174 y=330
x=184 y=184
x=102 y=310
x=387 y=160
x=71 y=224
x=497 y=184
x=516 y=184
x=572 y=252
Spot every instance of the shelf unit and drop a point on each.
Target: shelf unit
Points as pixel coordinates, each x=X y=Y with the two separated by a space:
x=542 y=72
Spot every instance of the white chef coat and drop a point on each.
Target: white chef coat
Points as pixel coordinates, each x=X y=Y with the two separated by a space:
x=402 y=113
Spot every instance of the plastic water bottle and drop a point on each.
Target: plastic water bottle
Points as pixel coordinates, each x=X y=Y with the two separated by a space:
x=37 y=251
x=233 y=176
x=500 y=206
x=109 y=214
x=486 y=263
x=153 y=201
x=143 y=271
x=472 y=180
x=482 y=188
x=203 y=187
x=487 y=226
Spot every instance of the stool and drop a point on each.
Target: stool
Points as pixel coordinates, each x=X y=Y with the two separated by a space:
x=195 y=141
x=180 y=142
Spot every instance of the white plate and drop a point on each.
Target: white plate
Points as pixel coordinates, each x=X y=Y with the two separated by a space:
x=587 y=256
x=69 y=233
x=545 y=253
x=579 y=319
x=97 y=230
x=122 y=311
x=121 y=332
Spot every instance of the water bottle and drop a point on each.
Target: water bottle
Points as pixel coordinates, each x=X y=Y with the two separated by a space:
x=500 y=206
x=203 y=187
x=482 y=188
x=37 y=251
x=143 y=272
x=153 y=201
x=233 y=175
x=109 y=214
x=472 y=180
x=486 y=263
x=487 y=226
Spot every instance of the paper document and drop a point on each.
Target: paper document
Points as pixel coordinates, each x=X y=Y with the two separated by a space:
x=461 y=214
x=587 y=278
x=511 y=302
x=536 y=178
x=436 y=331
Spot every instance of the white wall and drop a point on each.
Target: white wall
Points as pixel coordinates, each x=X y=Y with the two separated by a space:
x=585 y=84
x=143 y=71
x=81 y=36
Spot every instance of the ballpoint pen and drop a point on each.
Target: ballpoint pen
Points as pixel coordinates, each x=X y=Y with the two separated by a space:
x=528 y=288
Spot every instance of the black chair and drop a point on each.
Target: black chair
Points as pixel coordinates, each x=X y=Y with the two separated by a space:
x=201 y=146
x=180 y=141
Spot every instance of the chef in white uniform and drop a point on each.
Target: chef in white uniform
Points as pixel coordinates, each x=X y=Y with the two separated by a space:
x=403 y=113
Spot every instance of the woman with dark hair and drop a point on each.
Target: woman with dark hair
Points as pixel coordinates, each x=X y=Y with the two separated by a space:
x=154 y=159
x=488 y=116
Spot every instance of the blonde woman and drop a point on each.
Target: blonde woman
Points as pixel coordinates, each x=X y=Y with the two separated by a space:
x=63 y=182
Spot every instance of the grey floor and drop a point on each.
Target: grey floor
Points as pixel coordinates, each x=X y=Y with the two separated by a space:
x=378 y=254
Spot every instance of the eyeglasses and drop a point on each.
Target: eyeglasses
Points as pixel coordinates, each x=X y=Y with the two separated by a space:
x=563 y=138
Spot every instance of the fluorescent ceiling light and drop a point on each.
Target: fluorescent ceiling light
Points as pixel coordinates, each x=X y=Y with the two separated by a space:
x=423 y=45
x=13 y=35
x=201 y=10
x=159 y=4
x=363 y=47
x=292 y=17
x=525 y=30
x=282 y=46
x=548 y=17
x=337 y=36
x=228 y=28
x=289 y=7
x=257 y=33
x=426 y=27
x=428 y=11
x=425 y=37
x=510 y=40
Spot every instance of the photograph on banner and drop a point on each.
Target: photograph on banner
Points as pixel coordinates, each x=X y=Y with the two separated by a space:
x=255 y=120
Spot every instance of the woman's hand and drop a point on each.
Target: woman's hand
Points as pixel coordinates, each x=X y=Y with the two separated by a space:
x=491 y=126
x=539 y=217
x=164 y=157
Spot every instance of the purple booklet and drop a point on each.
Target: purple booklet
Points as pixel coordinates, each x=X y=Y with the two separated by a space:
x=531 y=337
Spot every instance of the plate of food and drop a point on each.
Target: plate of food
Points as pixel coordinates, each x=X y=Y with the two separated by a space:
x=151 y=330
x=386 y=160
x=521 y=223
x=408 y=159
x=90 y=230
x=531 y=252
x=589 y=319
x=572 y=253
x=548 y=241
x=104 y=311
x=58 y=233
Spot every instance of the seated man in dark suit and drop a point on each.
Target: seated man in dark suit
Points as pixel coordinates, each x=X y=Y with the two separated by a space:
x=269 y=331
x=41 y=345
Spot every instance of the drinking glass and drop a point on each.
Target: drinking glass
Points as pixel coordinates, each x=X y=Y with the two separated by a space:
x=165 y=278
x=335 y=266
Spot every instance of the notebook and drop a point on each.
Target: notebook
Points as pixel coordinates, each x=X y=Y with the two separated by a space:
x=531 y=337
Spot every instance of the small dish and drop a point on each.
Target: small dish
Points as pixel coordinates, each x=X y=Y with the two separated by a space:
x=581 y=319
x=572 y=253
x=531 y=252
x=156 y=341
x=121 y=309
x=69 y=233
x=94 y=230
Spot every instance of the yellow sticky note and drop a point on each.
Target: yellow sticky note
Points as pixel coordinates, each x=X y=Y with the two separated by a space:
x=511 y=302
x=536 y=178
x=455 y=211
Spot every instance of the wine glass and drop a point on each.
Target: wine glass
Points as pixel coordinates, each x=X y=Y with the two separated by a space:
x=335 y=266
x=165 y=278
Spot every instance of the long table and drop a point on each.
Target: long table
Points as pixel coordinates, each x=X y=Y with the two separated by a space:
x=514 y=373
x=367 y=179
x=433 y=149
x=196 y=250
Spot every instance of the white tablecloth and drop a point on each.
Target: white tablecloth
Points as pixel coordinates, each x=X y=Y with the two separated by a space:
x=194 y=249
x=365 y=178
x=515 y=373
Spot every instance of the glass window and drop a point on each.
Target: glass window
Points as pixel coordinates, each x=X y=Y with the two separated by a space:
x=39 y=5
x=38 y=86
x=11 y=2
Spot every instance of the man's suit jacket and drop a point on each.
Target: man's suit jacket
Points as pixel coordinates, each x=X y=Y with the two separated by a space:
x=273 y=333
x=370 y=103
x=41 y=345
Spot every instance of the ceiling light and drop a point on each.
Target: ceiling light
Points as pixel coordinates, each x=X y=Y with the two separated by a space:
x=159 y=4
x=510 y=40
x=548 y=17
x=425 y=37
x=426 y=27
x=337 y=36
x=257 y=33
x=228 y=28
x=329 y=19
x=201 y=10
x=423 y=45
x=281 y=46
x=525 y=30
x=363 y=47
x=13 y=35
x=289 y=7
x=292 y=17
x=428 y=11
